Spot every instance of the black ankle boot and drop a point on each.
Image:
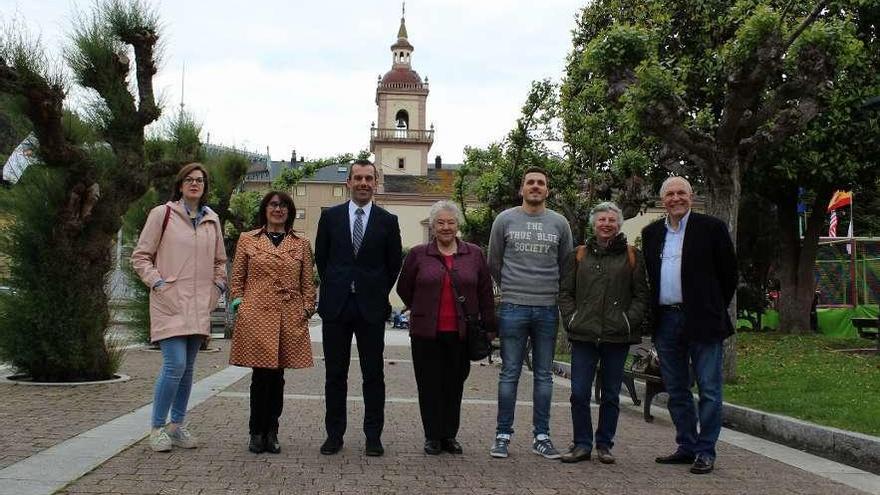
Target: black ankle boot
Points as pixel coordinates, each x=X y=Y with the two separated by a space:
x=272 y=446
x=257 y=443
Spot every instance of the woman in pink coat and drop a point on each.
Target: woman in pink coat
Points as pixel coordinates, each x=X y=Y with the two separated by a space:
x=181 y=257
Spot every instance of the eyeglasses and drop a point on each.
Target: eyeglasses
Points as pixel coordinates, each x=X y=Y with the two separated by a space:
x=277 y=204
x=194 y=180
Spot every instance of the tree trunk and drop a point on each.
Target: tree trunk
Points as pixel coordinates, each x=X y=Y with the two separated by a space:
x=723 y=197
x=797 y=261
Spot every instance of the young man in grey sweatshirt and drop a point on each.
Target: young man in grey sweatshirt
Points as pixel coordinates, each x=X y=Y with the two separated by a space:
x=527 y=246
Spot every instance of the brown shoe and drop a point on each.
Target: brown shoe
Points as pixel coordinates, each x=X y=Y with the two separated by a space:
x=703 y=465
x=604 y=455
x=576 y=454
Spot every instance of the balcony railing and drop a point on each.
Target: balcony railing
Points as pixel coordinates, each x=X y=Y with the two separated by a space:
x=402 y=135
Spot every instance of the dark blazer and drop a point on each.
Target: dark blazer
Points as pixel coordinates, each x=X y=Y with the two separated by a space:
x=373 y=271
x=708 y=274
x=421 y=282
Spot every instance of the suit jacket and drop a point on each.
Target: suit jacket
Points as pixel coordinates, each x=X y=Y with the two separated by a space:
x=373 y=271
x=708 y=275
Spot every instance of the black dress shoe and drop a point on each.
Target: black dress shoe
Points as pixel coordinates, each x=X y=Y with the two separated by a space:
x=452 y=446
x=703 y=465
x=432 y=447
x=331 y=446
x=272 y=445
x=374 y=448
x=678 y=457
x=257 y=444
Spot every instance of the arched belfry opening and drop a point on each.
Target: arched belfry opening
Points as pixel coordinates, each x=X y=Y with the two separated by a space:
x=402 y=119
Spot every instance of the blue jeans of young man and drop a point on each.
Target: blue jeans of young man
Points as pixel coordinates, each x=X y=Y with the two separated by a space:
x=516 y=325
x=675 y=352
x=585 y=357
x=175 y=379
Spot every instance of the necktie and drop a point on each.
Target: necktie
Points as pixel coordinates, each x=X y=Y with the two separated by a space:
x=357 y=236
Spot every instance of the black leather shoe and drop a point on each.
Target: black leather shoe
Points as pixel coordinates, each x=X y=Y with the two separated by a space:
x=272 y=445
x=374 y=448
x=432 y=447
x=678 y=457
x=576 y=454
x=703 y=465
x=331 y=446
x=257 y=444
x=452 y=446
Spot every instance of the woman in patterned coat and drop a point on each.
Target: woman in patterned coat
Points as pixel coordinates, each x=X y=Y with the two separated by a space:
x=273 y=290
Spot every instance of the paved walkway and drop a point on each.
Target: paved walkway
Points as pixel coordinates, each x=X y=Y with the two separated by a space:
x=224 y=466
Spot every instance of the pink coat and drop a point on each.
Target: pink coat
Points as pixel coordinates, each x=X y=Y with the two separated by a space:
x=191 y=261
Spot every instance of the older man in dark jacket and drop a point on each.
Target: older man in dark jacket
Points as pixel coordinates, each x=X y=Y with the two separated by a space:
x=692 y=268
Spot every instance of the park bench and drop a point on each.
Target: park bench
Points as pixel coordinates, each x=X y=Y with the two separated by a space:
x=645 y=366
x=867 y=328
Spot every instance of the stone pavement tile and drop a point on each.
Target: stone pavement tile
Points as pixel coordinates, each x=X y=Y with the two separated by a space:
x=46 y=416
x=223 y=464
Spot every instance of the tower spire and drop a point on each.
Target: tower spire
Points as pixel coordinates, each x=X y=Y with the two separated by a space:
x=401 y=33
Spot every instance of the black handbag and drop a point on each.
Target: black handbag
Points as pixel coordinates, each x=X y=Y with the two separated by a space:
x=478 y=344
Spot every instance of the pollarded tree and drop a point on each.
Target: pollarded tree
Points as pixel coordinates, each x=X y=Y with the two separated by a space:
x=718 y=83
x=68 y=208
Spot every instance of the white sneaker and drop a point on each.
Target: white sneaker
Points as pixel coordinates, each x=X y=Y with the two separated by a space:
x=181 y=437
x=160 y=441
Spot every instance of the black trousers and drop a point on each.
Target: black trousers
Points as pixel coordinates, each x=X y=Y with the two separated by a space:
x=267 y=400
x=441 y=367
x=337 y=356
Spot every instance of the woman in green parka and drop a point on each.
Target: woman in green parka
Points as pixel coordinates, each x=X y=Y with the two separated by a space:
x=603 y=298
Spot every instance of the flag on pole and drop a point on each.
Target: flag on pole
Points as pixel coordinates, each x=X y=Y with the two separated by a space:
x=850 y=235
x=839 y=200
x=832 y=226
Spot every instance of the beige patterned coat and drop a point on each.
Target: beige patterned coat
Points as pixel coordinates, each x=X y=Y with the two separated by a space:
x=277 y=288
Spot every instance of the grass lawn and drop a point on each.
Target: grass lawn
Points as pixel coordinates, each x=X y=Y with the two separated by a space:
x=802 y=377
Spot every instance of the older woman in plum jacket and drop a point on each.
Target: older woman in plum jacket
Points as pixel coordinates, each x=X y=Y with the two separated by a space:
x=437 y=325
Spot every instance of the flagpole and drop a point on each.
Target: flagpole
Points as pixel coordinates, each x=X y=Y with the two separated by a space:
x=852 y=255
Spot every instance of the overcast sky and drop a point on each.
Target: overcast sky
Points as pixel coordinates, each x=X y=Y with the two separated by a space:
x=302 y=75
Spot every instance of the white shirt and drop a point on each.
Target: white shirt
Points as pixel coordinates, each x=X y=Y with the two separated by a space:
x=352 y=208
x=670 y=262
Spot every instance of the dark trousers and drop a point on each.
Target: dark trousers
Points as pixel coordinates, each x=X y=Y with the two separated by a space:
x=677 y=353
x=441 y=367
x=585 y=358
x=267 y=400
x=337 y=356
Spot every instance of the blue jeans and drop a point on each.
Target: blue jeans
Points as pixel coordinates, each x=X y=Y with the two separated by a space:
x=517 y=324
x=675 y=352
x=175 y=379
x=585 y=356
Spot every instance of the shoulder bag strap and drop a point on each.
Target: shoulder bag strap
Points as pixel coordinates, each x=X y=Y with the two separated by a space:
x=460 y=299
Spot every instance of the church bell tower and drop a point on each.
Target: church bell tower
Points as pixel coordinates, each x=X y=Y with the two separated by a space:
x=398 y=137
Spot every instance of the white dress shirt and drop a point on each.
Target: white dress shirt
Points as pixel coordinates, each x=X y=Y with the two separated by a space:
x=670 y=262
x=352 y=208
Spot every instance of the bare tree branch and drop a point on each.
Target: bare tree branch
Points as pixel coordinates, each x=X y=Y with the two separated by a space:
x=807 y=22
x=45 y=110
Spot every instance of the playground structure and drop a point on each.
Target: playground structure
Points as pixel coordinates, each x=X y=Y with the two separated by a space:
x=847 y=271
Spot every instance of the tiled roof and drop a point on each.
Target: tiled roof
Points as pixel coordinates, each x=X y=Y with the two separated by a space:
x=331 y=173
x=436 y=183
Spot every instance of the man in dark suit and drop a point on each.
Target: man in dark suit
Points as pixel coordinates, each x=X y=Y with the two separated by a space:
x=358 y=253
x=691 y=264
